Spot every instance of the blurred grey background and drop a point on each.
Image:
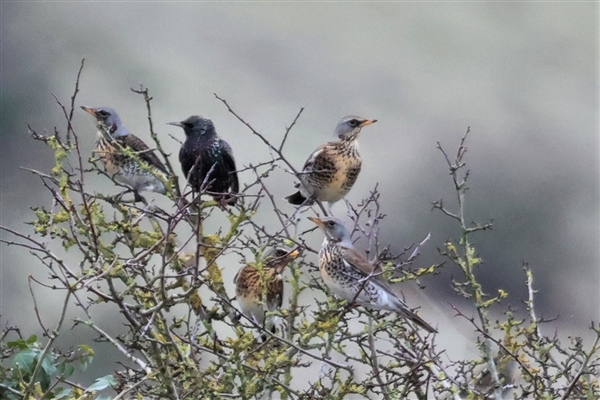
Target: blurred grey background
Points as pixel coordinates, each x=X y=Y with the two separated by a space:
x=523 y=76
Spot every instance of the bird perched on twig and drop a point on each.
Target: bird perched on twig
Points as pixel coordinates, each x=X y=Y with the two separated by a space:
x=207 y=160
x=141 y=169
x=331 y=170
x=253 y=283
x=349 y=275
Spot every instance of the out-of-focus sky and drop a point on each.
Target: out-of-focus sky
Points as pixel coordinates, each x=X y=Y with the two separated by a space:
x=523 y=76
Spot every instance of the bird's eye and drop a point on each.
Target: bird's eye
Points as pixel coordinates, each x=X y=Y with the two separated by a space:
x=331 y=223
x=103 y=113
x=280 y=253
x=353 y=123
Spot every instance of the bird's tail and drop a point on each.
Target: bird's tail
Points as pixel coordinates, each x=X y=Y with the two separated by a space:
x=418 y=320
x=264 y=337
x=298 y=199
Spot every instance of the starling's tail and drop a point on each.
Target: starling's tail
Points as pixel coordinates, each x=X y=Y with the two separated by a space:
x=298 y=199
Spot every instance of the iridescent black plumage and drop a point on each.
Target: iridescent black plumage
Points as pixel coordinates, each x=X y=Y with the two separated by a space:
x=207 y=160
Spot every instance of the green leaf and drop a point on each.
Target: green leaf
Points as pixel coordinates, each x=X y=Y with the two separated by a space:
x=66 y=370
x=102 y=383
x=25 y=360
x=21 y=344
x=87 y=356
x=48 y=365
x=48 y=371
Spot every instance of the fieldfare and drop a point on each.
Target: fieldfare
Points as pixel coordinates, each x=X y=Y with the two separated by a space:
x=332 y=169
x=349 y=275
x=207 y=160
x=126 y=157
x=253 y=283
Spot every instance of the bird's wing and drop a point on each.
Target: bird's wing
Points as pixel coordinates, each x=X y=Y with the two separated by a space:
x=230 y=164
x=357 y=260
x=244 y=280
x=143 y=151
x=235 y=278
x=191 y=157
x=360 y=263
x=352 y=257
x=314 y=158
x=276 y=290
x=185 y=164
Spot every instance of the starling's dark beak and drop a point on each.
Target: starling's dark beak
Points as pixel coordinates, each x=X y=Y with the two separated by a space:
x=316 y=221
x=179 y=124
x=368 y=122
x=89 y=110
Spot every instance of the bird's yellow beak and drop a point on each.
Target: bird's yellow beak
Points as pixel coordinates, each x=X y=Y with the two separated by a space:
x=368 y=122
x=293 y=254
x=89 y=110
x=316 y=220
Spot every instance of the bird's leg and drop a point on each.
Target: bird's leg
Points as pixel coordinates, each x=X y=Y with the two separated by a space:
x=348 y=307
x=320 y=204
x=329 y=204
x=231 y=200
x=137 y=197
x=117 y=197
x=183 y=205
x=188 y=211
x=196 y=200
x=193 y=210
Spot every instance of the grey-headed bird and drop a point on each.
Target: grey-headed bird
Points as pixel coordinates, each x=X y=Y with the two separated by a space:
x=331 y=170
x=349 y=275
x=141 y=169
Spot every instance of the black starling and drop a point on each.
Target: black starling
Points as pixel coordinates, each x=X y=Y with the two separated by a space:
x=114 y=142
x=349 y=275
x=207 y=160
x=332 y=169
